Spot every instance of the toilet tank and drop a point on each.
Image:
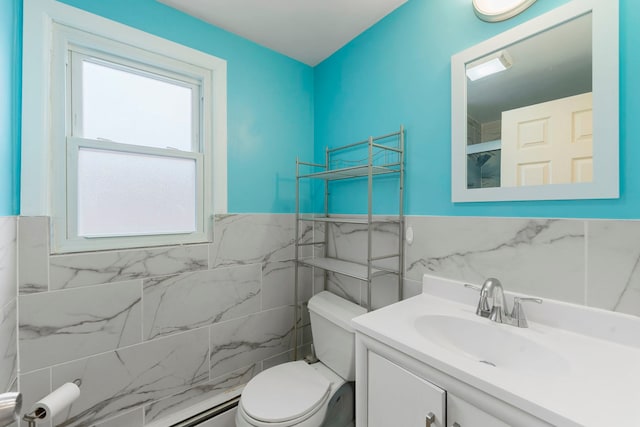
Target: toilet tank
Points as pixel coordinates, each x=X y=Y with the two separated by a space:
x=333 y=336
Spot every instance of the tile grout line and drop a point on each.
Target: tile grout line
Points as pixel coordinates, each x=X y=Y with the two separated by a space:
x=119 y=282
x=17 y=324
x=142 y=317
x=176 y=334
x=586 y=263
x=126 y=347
x=78 y=288
x=209 y=353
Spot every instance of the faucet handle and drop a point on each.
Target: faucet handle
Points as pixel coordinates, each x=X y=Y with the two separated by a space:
x=482 y=309
x=517 y=314
x=526 y=299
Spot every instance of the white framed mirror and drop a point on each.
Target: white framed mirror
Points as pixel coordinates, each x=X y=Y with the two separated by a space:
x=535 y=109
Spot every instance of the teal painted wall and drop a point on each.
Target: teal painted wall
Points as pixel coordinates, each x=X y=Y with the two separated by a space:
x=399 y=72
x=396 y=72
x=270 y=102
x=10 y=59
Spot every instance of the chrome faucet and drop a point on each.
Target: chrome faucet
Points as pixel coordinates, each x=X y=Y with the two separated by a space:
x=493 y=291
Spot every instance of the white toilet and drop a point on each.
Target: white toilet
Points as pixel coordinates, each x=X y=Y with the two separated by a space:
x=299 y=394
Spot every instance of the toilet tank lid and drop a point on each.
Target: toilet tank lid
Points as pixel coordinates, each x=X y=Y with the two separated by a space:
x=335 y=309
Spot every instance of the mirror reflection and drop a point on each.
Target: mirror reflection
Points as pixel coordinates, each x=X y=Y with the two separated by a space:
x=529 y=110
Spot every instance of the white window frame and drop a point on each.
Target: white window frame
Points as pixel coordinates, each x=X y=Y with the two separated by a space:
x=50 y=30
x=79 y=54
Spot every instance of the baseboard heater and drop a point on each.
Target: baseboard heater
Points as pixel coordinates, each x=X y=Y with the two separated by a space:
x=208 y=414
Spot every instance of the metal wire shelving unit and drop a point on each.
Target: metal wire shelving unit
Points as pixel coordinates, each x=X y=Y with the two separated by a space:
x=385 y=156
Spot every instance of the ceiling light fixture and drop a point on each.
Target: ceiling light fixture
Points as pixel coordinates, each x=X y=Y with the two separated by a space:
x=489 y=65
x=499 y=10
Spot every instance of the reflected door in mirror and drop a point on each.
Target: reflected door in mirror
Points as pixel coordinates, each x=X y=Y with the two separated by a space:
x=548 y=143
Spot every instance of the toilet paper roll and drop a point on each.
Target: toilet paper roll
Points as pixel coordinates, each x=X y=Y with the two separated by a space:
x=49 y=406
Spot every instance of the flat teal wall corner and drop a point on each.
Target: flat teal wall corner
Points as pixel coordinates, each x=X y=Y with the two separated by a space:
x=398 y=72
x=10 y=90
x=269 y=102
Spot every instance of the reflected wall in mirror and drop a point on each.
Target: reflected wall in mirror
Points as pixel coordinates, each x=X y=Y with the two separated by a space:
x=522 y=109
x=532 y=116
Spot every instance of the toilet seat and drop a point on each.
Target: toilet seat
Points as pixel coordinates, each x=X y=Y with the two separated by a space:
x=284 y=394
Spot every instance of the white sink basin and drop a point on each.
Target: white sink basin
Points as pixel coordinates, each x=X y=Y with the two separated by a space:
x=574 y=366
x=492 y=344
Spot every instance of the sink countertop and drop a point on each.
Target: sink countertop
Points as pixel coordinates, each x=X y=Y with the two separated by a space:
x=599 y=386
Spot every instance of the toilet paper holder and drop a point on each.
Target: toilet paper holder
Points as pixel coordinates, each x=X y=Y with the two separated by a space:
x=10 y=406
x=39 y=413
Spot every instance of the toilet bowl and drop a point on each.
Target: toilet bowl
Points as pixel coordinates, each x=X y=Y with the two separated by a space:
x=291 y=394
x=309 y=395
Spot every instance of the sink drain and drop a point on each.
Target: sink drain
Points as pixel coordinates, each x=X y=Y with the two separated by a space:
x=486 y=362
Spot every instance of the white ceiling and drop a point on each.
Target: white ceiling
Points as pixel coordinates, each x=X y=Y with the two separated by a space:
x=306 y=30
x=553 y=64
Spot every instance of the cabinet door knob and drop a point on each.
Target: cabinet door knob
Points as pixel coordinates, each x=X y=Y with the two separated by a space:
x=455 y=425
x=430 y=420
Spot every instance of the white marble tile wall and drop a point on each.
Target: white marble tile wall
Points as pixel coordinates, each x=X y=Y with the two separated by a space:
x=245 y=341
x=120 y=380
x=251 y=239
x=592 y=262
x=207 y=297
x=34 y=246
x=8 y=340
x=540 y=257
x=154 y=330
x=8 y=303
x=33 y=386
x=127 y=419
x=8 y=249
x=349 y=241
x=613 y=266
x=85 y=269
x=200 y=393
x=56 y=327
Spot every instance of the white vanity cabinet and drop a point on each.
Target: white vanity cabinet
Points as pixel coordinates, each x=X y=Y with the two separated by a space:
x=463 y=414
x=394 y=389
x=397 y=397
x=581 y=372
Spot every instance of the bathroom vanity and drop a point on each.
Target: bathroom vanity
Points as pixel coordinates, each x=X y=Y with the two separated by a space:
x=431 y=361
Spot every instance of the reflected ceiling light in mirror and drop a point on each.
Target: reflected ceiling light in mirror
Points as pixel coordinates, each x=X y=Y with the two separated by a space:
x=499 y=10
x=489 y=65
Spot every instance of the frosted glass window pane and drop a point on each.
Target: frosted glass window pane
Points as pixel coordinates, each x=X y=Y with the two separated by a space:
x=134 y=194
x=129 y=108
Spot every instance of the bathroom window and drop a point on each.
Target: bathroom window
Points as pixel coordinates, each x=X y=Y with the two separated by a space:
x=137 y=134
x=134 y=157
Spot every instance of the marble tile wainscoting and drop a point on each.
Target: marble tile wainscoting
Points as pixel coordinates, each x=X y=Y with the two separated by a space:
x=8 y=305
x=590 y=262
x=152 y=331
x=349 y=242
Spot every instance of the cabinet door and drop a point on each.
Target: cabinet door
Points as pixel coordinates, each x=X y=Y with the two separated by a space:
x=463 y=414
x=396 y=397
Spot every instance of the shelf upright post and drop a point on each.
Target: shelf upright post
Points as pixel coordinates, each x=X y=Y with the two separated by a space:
x=325 y=227
x=401 y=218
x=326 y=183
x=369 y=222
x=296 y=267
